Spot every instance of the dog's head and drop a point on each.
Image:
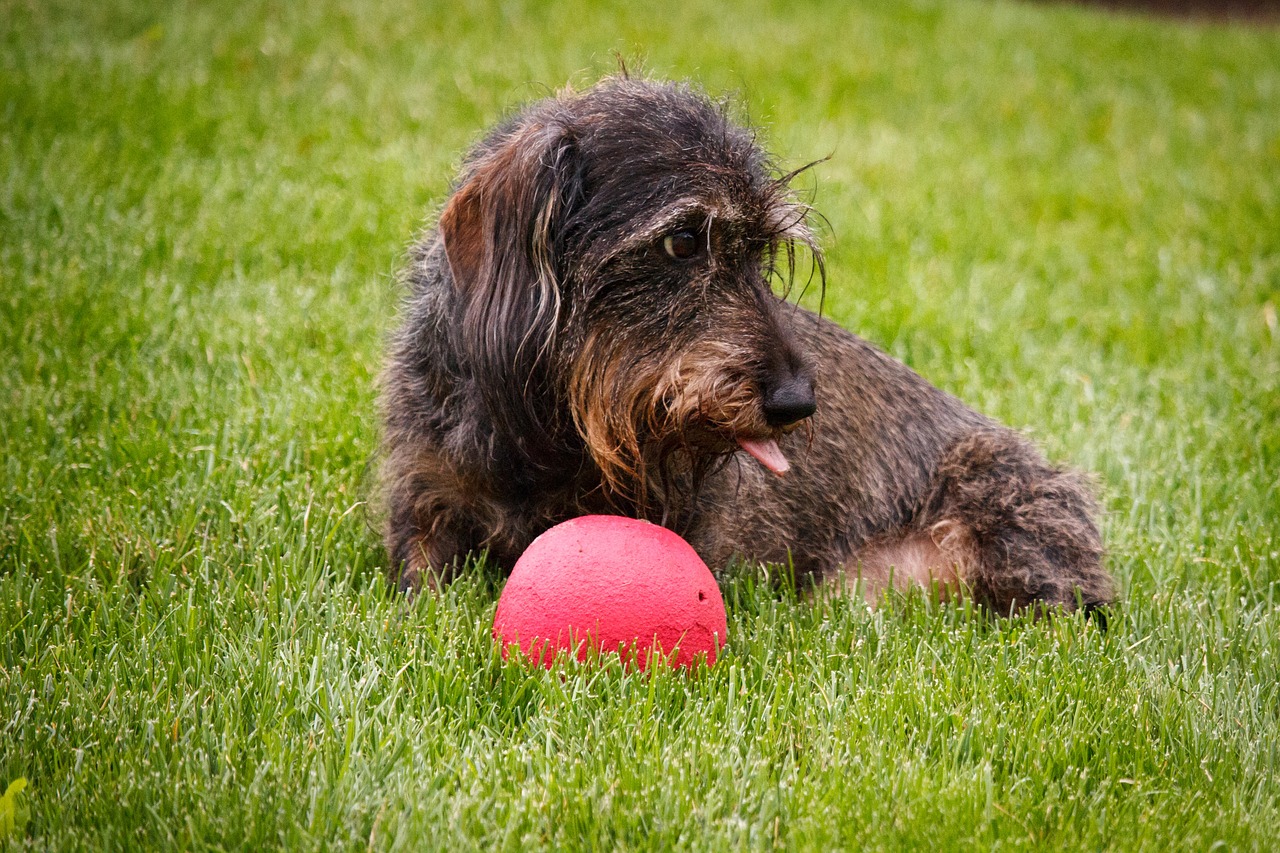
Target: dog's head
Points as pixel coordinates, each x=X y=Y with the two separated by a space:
x=614 y=254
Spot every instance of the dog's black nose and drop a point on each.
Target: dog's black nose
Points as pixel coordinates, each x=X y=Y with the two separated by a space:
x=789 y=401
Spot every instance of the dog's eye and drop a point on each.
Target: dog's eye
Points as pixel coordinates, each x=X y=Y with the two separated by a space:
x=681 y=245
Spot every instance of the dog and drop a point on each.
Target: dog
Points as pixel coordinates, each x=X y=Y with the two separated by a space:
x=592 y=327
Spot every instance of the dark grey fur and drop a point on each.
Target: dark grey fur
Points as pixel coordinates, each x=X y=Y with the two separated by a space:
x=556 y=359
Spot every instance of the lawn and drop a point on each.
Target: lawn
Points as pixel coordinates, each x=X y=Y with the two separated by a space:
x=1068 y=217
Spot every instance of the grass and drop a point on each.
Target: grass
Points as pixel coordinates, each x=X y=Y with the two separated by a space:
x=1067 y=217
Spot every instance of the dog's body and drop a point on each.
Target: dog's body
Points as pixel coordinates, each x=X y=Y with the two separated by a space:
x=591 y=328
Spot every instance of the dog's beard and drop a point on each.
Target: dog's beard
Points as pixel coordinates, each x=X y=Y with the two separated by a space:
x=654 y=416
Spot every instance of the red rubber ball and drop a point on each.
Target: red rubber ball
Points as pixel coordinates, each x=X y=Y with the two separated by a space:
x=615 y=584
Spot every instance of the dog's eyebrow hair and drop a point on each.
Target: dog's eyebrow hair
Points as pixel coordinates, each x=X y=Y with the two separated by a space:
x=675 y=214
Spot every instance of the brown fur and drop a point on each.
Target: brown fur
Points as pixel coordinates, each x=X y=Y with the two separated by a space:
x=592 y=328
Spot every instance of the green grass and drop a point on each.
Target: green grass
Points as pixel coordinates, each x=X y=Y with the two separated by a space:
x=1069 y=218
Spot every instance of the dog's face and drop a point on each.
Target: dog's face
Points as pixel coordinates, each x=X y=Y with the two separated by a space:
x=613 y=252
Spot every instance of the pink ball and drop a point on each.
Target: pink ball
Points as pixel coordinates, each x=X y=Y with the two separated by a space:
x=614 y=584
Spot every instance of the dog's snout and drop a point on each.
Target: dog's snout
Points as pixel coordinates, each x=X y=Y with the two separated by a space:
x=789 y=400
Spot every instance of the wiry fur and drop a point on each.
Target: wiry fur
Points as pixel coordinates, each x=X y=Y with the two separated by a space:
x=555 y=360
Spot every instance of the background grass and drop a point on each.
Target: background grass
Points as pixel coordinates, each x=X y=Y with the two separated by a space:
x=1069 y=218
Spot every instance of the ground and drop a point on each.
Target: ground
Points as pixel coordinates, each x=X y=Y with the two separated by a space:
x=1067 y=216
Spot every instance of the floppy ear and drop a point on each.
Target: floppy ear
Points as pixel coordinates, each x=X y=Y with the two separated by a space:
x=503 y=237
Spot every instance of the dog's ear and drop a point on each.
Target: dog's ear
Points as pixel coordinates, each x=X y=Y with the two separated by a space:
x=489 y=224
x=502 y=228
x=503 y=234
x=467 y=236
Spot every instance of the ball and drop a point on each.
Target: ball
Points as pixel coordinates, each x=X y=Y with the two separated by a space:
x=612 y=584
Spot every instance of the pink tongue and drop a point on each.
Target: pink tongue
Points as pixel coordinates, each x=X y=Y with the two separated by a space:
x=766 y=453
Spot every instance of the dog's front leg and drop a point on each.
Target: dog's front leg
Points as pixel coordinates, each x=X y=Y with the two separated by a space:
x=428 y=560
x=429 y=529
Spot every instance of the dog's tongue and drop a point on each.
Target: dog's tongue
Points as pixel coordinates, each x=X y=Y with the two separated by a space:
x=767 y=453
